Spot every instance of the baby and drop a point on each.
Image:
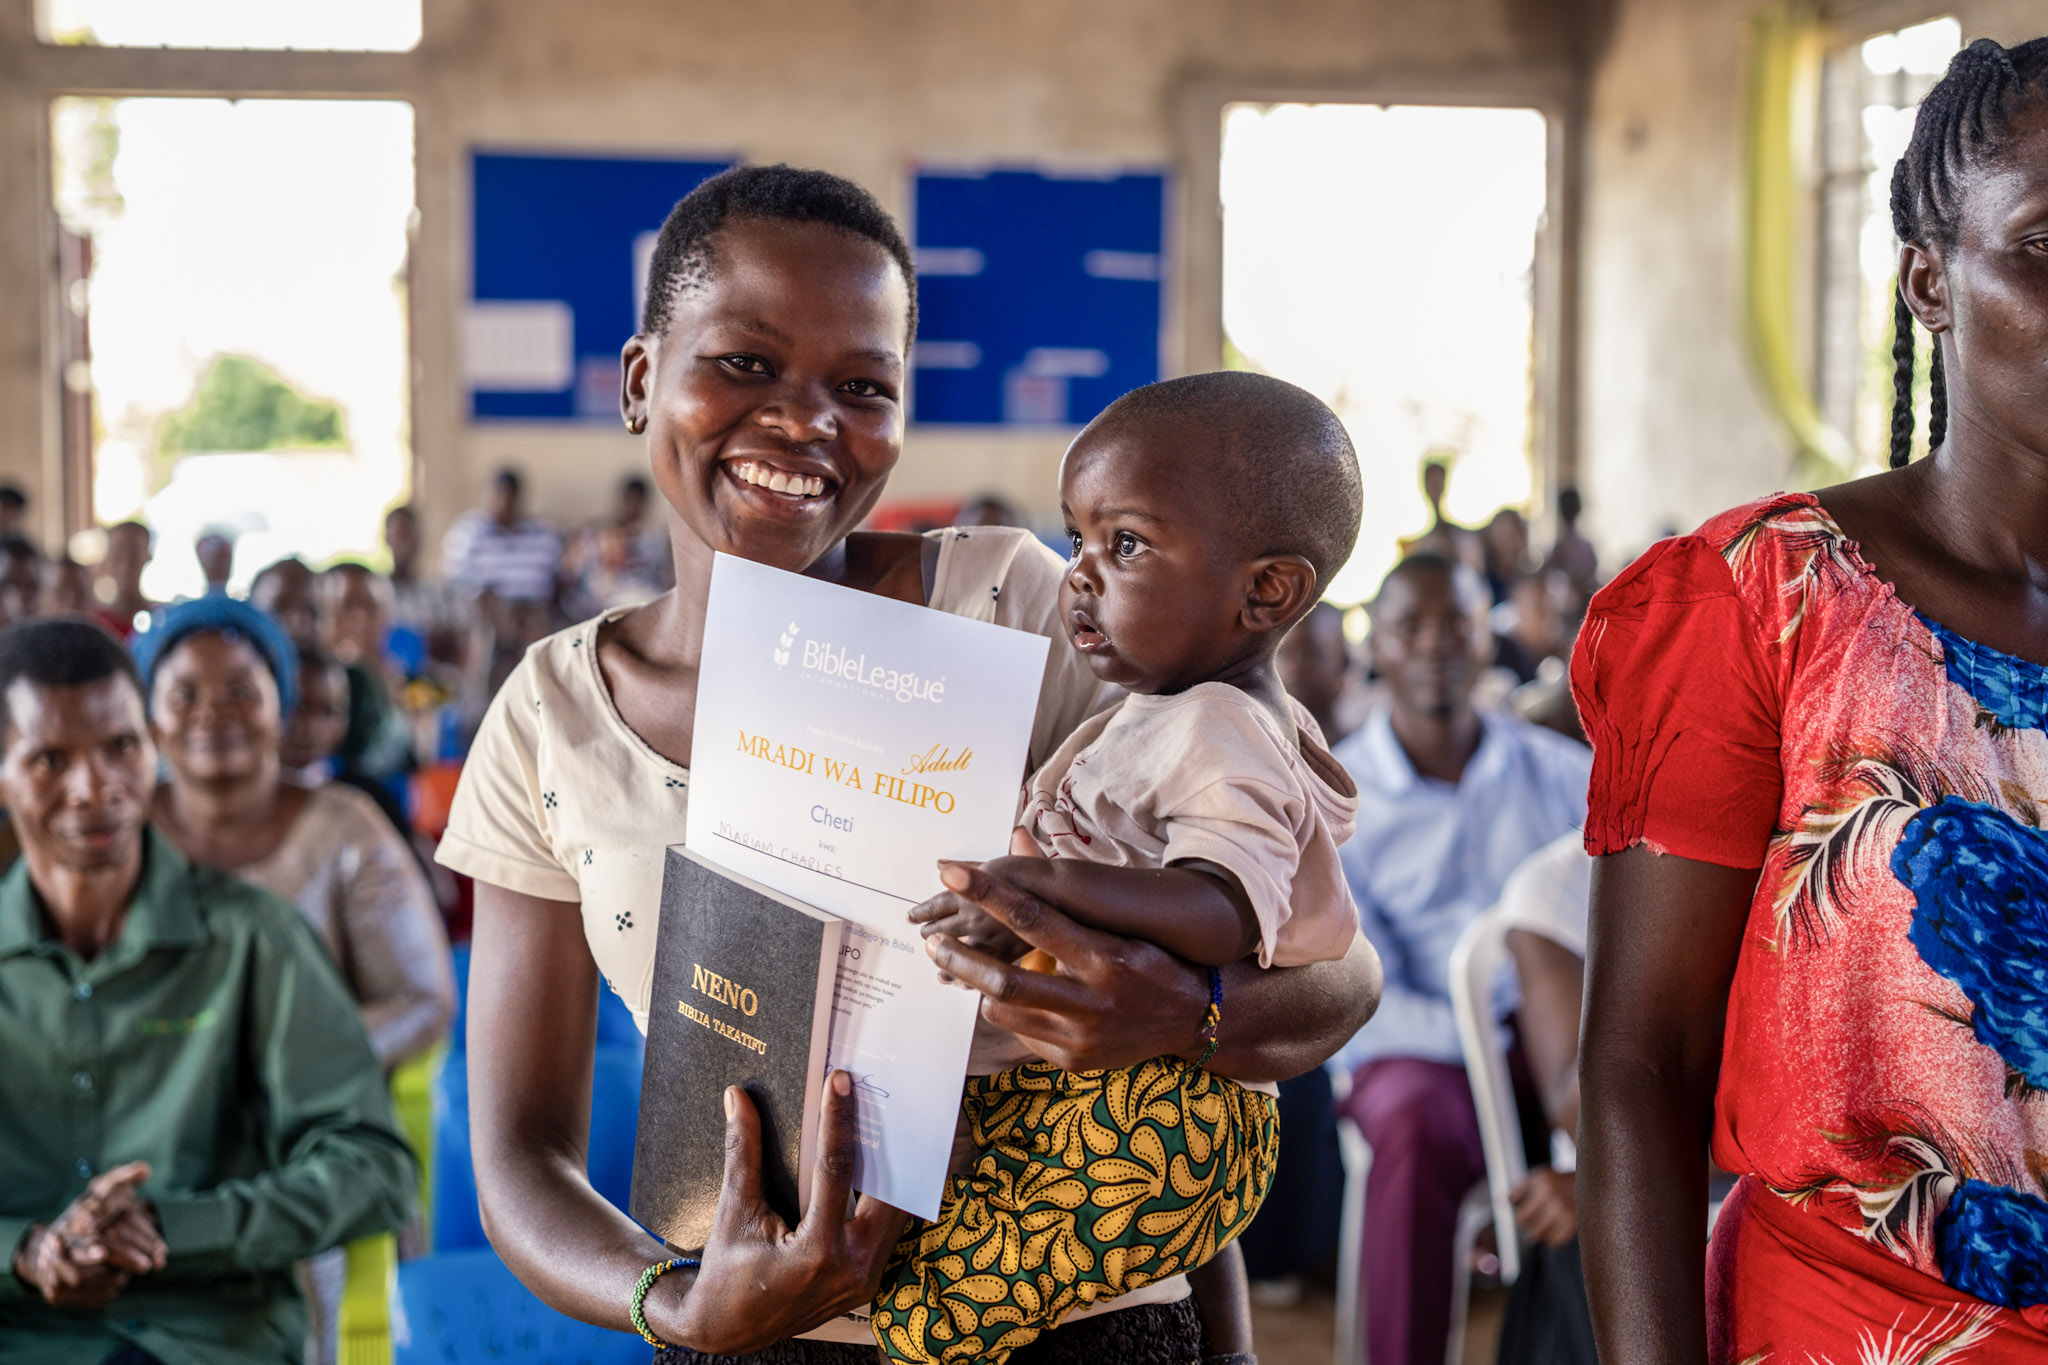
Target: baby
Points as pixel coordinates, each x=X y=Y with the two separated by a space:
x=1203 y=813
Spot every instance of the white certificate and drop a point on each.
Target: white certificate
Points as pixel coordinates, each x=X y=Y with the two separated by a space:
x=844 y=743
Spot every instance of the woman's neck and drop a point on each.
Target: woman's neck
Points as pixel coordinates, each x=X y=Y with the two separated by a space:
x=232 y=812
x=1986 y=496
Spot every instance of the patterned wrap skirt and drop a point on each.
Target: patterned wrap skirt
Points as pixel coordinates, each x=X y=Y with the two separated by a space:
x=1085 y=1185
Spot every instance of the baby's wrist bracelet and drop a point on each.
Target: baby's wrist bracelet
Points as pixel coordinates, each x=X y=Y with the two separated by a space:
x=1212 y=1018
x=647 y=1279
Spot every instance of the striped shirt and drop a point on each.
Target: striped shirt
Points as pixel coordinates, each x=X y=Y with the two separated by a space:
x=519 y=561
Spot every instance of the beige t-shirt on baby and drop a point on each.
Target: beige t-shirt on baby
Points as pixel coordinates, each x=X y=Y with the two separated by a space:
x=1208 y=775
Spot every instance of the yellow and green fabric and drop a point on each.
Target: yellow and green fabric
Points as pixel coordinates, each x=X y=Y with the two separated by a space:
x=1085 y=1185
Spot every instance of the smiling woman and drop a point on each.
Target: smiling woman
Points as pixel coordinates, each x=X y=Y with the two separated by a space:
x=780 y=308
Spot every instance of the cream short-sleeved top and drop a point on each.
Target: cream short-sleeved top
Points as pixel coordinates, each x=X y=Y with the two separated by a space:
x=560 y=799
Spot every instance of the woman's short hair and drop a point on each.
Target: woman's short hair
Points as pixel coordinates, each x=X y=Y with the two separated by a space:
x=683 y=252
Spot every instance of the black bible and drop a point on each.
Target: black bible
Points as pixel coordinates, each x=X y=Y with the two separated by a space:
x=743 y=981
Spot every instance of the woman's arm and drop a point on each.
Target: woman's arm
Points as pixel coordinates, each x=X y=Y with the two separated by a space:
x=1553 y=981
x=532 y=1027
x=397 y=953
x=1117 y=1001
x=1666 y=932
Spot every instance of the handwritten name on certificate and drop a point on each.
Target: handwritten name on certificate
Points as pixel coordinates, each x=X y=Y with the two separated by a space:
x=845 y=743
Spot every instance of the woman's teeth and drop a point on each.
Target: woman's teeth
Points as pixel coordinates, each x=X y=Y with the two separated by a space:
x=776 y=481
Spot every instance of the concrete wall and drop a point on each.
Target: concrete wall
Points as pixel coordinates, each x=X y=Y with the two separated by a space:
x=1661 y=407
x=864 y=87
x=1672 y=425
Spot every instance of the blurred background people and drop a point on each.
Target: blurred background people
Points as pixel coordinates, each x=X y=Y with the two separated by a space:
x=118 y=589
x=1505 y=542
x=1544 y=905
x=317 y=724
x=21 y=580
x=621 y=560
x=67 y=588
x=499 y=549
x=13 y=512
x=215 y=550
x=355 y=614
x=221 y=678
x=1572 y=554
x=284 y=591
x=1442 y=536
x=1451 y=800
x=228 y=1118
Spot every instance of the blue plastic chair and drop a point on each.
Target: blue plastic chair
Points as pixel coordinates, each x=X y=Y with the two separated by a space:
x=457 y=1224
x=461 y=1307
x=614 y=1120
x=458 y=1027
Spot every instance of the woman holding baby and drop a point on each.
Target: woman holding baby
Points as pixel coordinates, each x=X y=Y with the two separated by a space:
x=768 y=379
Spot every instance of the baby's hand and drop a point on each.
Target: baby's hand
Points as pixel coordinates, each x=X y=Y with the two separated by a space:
x=954 y=915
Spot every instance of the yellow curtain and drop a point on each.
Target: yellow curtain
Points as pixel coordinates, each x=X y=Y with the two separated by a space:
x=1787 y=48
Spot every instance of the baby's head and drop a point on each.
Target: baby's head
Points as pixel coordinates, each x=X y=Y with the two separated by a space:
x=1206 y=514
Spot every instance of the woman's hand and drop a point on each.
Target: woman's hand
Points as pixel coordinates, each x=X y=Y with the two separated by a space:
x=529 y=1074
x=1117 y=1001
x=763 y=1282
x=1114 y=1002
x=1547 y=1206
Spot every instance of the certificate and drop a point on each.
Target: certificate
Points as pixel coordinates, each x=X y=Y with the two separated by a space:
x=844 y=743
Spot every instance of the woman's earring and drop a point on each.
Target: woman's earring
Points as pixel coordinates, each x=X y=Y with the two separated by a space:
x=636 y=425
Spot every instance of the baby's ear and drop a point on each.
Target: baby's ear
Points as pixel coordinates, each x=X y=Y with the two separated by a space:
x=1282 y=588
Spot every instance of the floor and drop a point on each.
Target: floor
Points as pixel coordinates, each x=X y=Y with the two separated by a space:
x=1305 y=1333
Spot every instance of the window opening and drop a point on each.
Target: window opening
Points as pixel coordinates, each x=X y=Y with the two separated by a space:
x=243 y=267
x=1870 y=92
x=1384 y=258
x=307 y=25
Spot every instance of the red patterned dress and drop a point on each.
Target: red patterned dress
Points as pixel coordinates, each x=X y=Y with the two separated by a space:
x=1758 y=697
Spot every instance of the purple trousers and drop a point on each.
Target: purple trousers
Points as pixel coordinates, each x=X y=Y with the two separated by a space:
x=1418 y=1118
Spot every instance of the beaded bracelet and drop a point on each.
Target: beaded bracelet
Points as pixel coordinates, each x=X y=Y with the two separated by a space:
x=647 y=1279
x=1212 y=1019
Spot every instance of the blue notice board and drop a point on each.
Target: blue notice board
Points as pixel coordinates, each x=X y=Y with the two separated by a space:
x=1040 y=293
x=559 y=248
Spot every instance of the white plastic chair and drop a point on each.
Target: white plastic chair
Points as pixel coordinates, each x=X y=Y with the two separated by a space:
x=1476 y=964
x=1473 y=1215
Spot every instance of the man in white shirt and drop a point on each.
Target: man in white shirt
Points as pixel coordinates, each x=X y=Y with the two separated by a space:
x=1450 y=801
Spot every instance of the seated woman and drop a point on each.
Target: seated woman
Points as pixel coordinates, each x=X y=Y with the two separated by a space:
x=220 y=676
x=1544 y=908
x=768 y=378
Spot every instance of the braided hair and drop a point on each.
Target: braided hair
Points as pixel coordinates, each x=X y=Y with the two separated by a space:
x=1965 y=119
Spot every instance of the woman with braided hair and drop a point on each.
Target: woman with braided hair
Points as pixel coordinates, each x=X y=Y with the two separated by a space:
x=1820 y=913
